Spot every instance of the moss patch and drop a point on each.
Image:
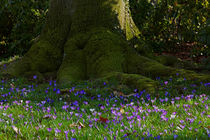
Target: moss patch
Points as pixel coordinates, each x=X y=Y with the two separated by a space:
x=134 y=81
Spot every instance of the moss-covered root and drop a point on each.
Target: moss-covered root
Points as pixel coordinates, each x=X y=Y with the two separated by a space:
x=73 y=67
x=104 y=53
x=134 y=81
x=91 y=55
x=42 y=57
x=17 y=68
x=148 y=67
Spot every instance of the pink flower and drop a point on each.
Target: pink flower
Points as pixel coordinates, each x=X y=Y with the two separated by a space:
x=166 y=82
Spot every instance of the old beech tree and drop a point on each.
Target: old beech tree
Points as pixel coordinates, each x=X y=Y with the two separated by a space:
x=88 y=39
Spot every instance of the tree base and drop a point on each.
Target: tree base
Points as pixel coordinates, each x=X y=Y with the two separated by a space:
x=98 y=54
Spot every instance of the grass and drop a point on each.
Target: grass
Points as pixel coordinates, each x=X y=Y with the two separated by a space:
x=90 y=110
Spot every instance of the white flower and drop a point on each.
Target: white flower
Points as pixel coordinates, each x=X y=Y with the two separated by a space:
x=173 y=116
x=92 y=109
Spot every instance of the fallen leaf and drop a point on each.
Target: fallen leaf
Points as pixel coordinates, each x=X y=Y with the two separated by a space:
x=46 y=117
x=73 y=125
x=77 y=125
x=12 y=85
x=104 y=120
x=122 y=110
x=80 y=124
x=17 y=131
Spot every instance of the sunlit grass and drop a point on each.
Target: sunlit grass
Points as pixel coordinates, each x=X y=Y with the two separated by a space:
x=90 y=110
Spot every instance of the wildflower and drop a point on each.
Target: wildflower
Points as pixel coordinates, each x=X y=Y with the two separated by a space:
x=76 y=114
x=43 y=102
x=27 y=102
x=193 y=91
x=166 y=82
x=91 y=125
x=175 y=136
x=207 y=84
x=57 y=130
x=34 y=77
x=72 y=131
x=58 y=91
x=173 y=116
x=49 y=129
x=177 y=98
x=37 y=128
x=161 y=100
x=158 y=137
x=71 y=113
x=66 y=134
x=54 y=117
x=182 y=126
x=92 y=109
x=181 y=121
x=65 y=107
x=85 y=102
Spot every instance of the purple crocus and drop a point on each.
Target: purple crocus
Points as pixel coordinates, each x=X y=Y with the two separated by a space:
x=181 y=121
x=34 y=77
x=177 y=98
x=57 y=130
x=49 y=129
x=166 y=82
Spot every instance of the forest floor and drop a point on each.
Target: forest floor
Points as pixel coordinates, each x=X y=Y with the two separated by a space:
x=92 y=110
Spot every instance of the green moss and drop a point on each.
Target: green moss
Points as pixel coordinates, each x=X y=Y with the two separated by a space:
x=134 y=81
x=92 y=55
x=191 y=75
x=73 y=67
x=44 y=57
x=30 y=74
x=167 y=60
x=17 y=68
x=142 y=65
x=104 y=53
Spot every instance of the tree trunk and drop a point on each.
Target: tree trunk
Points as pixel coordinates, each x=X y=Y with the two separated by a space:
x=86 y=39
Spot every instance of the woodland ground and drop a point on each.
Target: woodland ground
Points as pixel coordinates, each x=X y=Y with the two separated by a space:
x=101 y=110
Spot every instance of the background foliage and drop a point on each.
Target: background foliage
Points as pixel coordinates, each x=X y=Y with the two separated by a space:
x=20 y=22
x=166 y=25
x=171 y=24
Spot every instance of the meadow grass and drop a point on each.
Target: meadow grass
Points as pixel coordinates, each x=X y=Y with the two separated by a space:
x=89 y=110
